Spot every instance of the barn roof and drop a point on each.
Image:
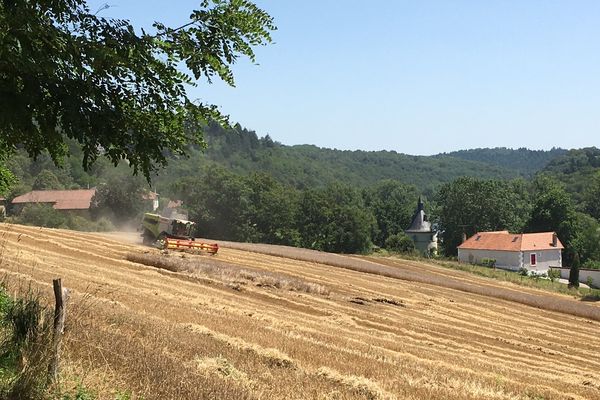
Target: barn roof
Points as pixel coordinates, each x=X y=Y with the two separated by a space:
x=505 y=241
x=79 y=199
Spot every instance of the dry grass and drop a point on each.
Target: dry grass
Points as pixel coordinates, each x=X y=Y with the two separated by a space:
x=223 y=368
x=188 y=335
x=389 y=268
x=225 y=272
x=361 y=386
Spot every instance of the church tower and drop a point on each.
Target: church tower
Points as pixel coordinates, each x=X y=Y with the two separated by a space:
x=420 y=231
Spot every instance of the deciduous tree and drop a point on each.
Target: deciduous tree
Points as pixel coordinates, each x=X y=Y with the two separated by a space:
x=554 y=211
x=118 y=91
x=470 y=205
x=46 y=180
x=271 y=212
x=400 y=243
x=393 y=204
x=574 y=272
x=591 y=196
x=335 y=219
x=120 y=199
x=217 y=200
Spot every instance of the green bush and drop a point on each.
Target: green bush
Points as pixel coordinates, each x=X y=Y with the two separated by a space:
x=26 y=347
x=26 y=351
x=400 y=243
x=79 y=223
x=80 y=393
x=554 y=274
x=591 y=264
x=46 y=216
x=4 y=302
x=42 y=215
x=104 y=225
x=488 y=262
x=589 y=281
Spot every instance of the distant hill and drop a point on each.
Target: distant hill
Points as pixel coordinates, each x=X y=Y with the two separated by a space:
x=575 y=169
x=305 y=166
x=524 y=161
x=242 y=151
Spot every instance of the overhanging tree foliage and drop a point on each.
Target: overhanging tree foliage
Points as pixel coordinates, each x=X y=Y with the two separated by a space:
x=68 y=73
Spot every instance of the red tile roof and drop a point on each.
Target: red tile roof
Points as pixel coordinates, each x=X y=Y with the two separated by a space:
x=505 y=241
x=63 y=199
x=539 y=241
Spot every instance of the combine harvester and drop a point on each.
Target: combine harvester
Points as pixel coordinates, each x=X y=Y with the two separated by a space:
x=173 y=234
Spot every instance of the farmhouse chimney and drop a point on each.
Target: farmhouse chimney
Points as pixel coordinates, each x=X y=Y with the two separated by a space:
x=554 y=239
x=464 y=237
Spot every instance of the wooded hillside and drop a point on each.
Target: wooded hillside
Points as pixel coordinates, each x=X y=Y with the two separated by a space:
x=526 y=162
x=249 y=188
x=306 y=166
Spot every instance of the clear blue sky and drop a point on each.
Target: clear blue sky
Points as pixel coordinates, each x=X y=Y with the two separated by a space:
x=418 y=77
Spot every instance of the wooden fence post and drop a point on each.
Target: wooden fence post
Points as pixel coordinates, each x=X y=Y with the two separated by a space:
x=61 y=296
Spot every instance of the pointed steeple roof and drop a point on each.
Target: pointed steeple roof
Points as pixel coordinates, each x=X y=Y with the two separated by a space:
x=419 y=222
x=420 y=205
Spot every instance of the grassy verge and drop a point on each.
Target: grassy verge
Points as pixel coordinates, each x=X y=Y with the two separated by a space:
x=512 y=277
x=25 y=351
x=26 y=337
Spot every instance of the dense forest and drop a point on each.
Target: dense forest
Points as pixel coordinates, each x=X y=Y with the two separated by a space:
x=577 y=170
x=524 y=161
x=243 y=187
x=305 y=166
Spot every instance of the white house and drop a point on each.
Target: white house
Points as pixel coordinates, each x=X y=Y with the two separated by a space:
x=536 y=252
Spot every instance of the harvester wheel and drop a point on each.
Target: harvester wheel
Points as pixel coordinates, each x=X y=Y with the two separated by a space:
x=161 y=241
x=147 y=238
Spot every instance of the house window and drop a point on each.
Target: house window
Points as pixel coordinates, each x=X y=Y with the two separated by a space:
x=533 y=259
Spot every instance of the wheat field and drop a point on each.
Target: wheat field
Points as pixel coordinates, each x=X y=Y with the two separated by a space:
x=290 y=325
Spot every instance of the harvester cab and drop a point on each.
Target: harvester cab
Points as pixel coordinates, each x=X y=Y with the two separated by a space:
x=156 y=227
x=173 y=234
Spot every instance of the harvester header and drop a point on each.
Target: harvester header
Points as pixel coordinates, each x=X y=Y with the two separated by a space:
x=191 y=245
x=173 y=234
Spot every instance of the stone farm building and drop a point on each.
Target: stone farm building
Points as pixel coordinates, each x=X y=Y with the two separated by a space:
x=74 y=201
x=536 y=252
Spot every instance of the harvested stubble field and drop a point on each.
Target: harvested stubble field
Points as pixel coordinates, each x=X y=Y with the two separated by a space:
x=301 y=324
